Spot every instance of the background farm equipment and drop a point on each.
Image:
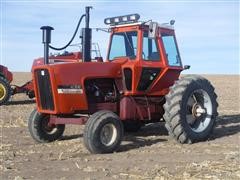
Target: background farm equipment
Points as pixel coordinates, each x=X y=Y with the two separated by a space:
x=7 y=89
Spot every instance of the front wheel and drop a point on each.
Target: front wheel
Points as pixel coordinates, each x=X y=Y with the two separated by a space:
x=191 y=109
x=103 y=132
x=40 y=129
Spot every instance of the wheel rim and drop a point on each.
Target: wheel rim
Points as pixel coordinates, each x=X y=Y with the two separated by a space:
x=199 y=110
x=46 y=127
x=2 y=91
x=108 y=134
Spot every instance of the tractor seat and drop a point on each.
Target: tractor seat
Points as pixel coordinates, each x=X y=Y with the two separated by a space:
x=154 y=56
x=98 y=59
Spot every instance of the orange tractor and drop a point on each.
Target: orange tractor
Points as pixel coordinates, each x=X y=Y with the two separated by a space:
x=137 y=84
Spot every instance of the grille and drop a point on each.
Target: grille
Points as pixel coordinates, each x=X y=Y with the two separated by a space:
x=44 y=89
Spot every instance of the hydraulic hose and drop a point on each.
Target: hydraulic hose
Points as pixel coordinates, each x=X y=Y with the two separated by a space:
x=74 y=34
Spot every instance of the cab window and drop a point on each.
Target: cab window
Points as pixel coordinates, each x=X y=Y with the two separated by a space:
x=150 y=51
x=123 y=44
x=171 y=50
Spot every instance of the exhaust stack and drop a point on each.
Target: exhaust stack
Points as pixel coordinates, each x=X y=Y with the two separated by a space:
x=46 y=40
x=86 y=37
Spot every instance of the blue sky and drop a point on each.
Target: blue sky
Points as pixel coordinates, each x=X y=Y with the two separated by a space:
x=207 y=32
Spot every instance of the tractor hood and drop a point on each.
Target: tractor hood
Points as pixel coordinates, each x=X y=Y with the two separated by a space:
x=64 y=75
x=60 y=58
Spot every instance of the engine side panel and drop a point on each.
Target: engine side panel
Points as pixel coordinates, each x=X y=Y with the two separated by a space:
x=68 y=84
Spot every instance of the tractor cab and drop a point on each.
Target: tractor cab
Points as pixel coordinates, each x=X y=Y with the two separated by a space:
x=147 y=50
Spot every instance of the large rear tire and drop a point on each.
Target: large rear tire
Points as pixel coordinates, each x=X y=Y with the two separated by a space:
x=103 y=132
x=41 y=131
x=5 y=91
x=191 y=109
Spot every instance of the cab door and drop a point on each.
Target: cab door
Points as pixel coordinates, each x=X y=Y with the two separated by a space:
x=151 y=65
x=171 y=63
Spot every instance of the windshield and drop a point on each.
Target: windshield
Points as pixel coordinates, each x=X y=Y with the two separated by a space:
x=171 y=50
x=124 y=44
x=150 y=50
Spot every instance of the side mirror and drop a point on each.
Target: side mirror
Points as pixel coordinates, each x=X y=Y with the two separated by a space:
x=172 y=22
x=186 y=67
x=153 y=29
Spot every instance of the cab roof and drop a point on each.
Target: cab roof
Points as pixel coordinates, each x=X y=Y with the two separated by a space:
x=164 y=25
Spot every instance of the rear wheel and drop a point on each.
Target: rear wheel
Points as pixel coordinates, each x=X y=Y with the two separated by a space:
x=5 y=90
x=103 y=132
x=40 y=129
x=191 y=109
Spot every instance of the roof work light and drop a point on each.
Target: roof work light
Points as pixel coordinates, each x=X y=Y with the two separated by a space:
x=131 y=18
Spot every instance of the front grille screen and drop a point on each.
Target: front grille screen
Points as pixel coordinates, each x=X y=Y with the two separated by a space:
x=44 y=89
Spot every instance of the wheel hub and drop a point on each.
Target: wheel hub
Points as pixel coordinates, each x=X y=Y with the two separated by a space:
x=198 y=110
x=48 y=128
x=108 y=134
x=2 y=91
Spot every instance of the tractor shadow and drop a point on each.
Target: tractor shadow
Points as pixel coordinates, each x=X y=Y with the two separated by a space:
x=21 y=102
x=70 y=137
x=148 y=135
x=151 y=134
x=226 y=125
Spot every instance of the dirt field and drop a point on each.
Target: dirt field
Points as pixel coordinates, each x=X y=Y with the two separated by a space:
x=148 y=154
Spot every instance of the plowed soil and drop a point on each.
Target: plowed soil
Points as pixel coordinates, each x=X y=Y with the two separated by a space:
x=147 y=154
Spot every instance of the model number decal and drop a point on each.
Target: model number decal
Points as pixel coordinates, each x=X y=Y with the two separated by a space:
x=70 y=89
